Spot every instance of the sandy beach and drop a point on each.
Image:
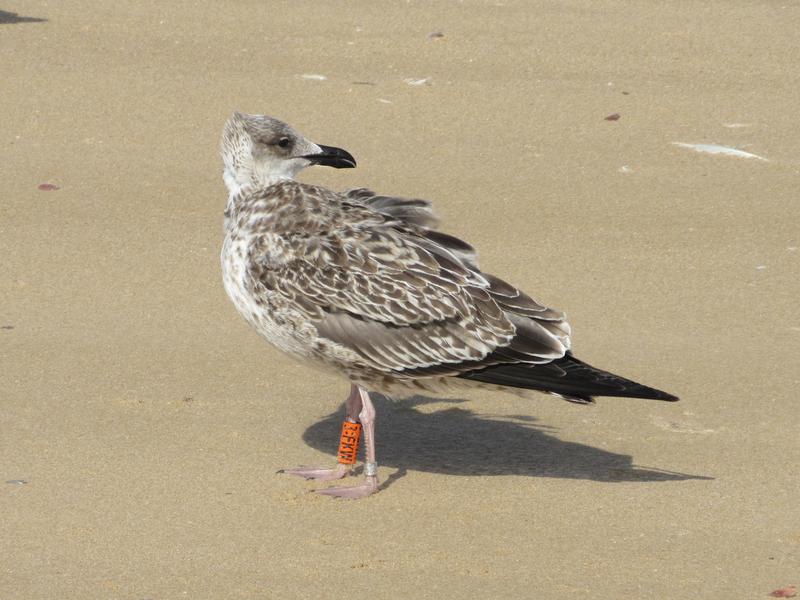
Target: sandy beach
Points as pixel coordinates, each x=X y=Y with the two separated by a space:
x=142 y=422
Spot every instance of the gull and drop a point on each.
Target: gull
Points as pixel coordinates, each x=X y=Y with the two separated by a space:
x=364 y=286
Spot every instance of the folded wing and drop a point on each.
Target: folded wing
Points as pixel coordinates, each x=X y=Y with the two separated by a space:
x=373 y=276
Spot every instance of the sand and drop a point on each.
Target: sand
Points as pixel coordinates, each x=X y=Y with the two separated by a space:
x=147 y=421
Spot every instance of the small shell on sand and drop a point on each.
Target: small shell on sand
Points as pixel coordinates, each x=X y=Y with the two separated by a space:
x=416 y=81
x=790 y=591
x=717 y=149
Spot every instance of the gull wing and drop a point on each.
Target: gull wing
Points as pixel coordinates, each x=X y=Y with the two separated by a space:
x=405 y=298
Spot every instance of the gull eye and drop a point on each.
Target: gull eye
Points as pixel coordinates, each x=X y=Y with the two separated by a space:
x=284 y=142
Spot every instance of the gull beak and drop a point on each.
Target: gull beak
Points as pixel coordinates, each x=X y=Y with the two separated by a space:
x=332 y=157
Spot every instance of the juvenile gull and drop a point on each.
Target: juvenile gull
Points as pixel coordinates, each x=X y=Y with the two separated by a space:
x=364 y=286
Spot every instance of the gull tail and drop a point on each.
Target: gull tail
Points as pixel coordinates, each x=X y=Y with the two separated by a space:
x=568 y=377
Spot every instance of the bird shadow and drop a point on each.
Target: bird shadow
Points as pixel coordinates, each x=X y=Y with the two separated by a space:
x=10 y=18
x=459 y=441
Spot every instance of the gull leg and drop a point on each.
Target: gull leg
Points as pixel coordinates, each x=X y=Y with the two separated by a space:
x=370 y=485
x=353 y=408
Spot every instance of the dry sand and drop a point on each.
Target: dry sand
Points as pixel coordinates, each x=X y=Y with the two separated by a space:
x=148 y=421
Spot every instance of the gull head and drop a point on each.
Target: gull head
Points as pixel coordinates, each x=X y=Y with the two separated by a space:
x=258 y=151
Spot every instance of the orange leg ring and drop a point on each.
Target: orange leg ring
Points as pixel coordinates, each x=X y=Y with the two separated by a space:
x=348 y=443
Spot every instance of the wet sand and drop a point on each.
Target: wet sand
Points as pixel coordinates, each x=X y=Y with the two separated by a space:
x=147 y=421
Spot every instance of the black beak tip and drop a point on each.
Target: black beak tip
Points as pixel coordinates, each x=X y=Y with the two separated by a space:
x=346 y=162
x=333 y=157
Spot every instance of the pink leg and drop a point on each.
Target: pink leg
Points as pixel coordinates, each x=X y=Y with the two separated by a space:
x=353 y=408
x=370 y=485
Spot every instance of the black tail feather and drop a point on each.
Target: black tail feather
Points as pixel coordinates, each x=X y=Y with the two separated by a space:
x=568 y=377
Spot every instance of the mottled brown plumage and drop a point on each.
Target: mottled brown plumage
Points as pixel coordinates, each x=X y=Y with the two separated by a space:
x=400 y=301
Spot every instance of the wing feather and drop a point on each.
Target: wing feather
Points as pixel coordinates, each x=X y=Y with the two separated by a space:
x=411 y=211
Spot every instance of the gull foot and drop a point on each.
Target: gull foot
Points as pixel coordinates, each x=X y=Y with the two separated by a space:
x=318 y=473
x=369 y=487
